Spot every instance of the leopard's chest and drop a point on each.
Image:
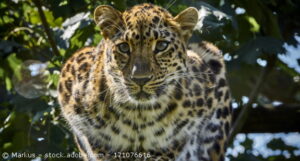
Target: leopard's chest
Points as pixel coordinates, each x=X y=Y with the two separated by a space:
x=137 y=133
x=122 y=129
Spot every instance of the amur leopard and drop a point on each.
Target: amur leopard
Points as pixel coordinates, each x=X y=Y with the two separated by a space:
x=143 y=93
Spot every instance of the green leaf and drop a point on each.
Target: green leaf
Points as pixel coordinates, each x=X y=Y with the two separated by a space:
x=8 y=83
x=14 y=64
x=58 y=22
x=63 y=2
x=97 y=39
x=50 y=18
x=7 y=145
x=254 y=25
x=248 y=143
x=33 y=17
x=1 y=72
x=279 y=144
x=54 y=78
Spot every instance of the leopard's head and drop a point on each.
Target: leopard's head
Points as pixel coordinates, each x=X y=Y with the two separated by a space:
x=145 y=48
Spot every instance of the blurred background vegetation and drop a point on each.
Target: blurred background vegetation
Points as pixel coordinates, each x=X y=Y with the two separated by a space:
x=259 y=39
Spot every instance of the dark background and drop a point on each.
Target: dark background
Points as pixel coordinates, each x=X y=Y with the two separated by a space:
x=37 y=36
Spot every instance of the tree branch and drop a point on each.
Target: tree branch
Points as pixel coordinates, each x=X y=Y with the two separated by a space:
x=244 y=113
x=46 y=27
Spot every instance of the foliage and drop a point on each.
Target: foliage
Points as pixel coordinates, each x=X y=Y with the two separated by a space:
x=35 y=125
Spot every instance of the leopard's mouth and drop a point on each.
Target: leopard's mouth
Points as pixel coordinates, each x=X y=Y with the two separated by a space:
x=142 y=95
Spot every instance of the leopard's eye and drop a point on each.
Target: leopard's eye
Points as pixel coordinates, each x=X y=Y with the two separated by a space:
x=123 y=47
x=161 y=45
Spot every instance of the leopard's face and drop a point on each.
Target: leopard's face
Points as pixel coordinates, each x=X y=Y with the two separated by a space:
x=146 y=51
x=148 y=55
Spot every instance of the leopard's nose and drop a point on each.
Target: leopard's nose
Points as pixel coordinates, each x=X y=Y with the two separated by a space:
x=141 y=80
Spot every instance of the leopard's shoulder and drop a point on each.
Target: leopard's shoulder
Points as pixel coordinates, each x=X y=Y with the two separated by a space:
x=75 y=74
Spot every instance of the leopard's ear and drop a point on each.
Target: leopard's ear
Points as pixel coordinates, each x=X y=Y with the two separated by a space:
x=109 y=20
x=187 y=19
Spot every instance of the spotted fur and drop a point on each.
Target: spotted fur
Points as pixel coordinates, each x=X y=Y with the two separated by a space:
x=173 y=104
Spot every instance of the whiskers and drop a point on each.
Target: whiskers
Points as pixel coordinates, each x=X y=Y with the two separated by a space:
x=170 y=4
x=181 y=79
x=188 y=74
x=113 y=24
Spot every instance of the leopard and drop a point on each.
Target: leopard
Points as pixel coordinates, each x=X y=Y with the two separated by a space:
x=146 y=93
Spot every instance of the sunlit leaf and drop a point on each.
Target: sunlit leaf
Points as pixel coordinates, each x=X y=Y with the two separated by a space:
x=13 y=63
x=254 y=25
x=70 y=26
x=210 y=17
x=8 y=83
